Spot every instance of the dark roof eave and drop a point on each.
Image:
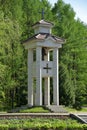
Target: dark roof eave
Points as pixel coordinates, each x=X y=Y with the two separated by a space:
x=46 y=35
x=33 y=39
x=62 y=41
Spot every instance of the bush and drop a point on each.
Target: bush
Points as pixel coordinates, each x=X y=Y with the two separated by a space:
x=13 y=126
x=75 y=127
x=3 y=127
x=77 y=105
x=41 y=124
x=84 y=126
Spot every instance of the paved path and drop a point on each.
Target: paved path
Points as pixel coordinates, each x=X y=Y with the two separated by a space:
x=33 y=115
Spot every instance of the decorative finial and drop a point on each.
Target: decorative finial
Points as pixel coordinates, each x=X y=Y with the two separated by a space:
x=42 y=13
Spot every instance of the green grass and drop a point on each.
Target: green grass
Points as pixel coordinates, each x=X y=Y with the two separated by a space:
x=44 y=110
x=69 y=109
x=35 y=110
x=3 y=112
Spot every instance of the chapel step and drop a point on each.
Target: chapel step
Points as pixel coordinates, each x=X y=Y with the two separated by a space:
x=83 y=117
x=80 y=117
x=56 y=109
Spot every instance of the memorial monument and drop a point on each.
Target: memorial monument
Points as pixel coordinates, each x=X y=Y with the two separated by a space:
x=43 y=55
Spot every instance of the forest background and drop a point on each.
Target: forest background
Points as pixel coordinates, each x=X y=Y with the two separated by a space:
x=16 y=19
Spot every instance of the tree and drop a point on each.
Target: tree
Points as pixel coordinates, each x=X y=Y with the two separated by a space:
x=71 y=68
x=10 y=57
x=16 y=19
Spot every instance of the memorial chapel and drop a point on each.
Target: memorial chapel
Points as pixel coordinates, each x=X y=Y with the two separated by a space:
x=43 y=65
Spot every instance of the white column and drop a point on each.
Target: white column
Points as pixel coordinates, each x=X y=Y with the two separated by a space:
x=30 y=78
x=55 y=77
x=47 y=86
x=38 y=99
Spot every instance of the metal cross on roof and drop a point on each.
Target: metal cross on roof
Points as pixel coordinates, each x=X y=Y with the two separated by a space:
x=42 y=13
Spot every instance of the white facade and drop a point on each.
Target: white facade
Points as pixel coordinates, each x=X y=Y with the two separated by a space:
x=40 y=68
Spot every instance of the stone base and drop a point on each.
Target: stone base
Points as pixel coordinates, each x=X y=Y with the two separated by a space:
x=56 y=109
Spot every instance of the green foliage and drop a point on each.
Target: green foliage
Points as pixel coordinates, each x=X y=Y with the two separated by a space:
x=72 y=55
x=16 y=19
x=39 y=123
x=65 y=86
x=11 y=55
x=71 y=109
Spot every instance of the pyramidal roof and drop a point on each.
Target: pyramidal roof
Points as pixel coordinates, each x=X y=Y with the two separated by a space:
x=43 y=22
x=43 y=36
x=43 y=33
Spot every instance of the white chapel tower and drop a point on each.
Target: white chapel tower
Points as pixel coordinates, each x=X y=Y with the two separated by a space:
x=43 y=54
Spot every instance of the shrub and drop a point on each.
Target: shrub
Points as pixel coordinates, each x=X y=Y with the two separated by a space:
x=84 y=126
x=75 y=127
x=41 y=124
x=3 y=127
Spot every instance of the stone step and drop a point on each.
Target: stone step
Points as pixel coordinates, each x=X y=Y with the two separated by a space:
x=83 y=117
x=56 y=109
x=80 y=117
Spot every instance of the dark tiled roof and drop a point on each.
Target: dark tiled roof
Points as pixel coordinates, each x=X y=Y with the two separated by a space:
x=43 y=22
x=43 y=36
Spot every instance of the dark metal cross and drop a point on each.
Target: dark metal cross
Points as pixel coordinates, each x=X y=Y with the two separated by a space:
x=47 y=68
x=42 y=13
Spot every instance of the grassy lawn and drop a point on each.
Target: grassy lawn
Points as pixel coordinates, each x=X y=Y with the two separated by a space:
x=83 y=110
x=44 y=110
x=35 y=110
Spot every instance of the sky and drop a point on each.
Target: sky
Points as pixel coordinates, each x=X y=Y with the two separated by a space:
x=79 y=6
